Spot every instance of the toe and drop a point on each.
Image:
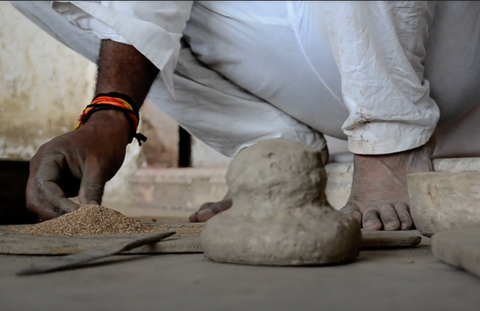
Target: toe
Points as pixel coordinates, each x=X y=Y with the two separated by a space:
x=208 y=210
x=222 y=206
x=371 y=219
x=404 y=216
x=206 y=214
x=194 y=216
x=389 y=217
x=353 y=210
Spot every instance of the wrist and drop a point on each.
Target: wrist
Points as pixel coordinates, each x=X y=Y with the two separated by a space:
x=113 y=122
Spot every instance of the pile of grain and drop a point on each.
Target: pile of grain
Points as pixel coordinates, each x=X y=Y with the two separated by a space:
x=88 y=220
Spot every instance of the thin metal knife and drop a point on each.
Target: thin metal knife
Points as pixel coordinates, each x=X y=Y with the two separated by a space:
x=74 y=260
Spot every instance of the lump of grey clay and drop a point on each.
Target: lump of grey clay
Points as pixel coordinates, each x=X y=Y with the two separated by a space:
x=280 y=213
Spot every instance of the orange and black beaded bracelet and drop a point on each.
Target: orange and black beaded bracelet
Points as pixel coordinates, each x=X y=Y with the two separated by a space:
x=119 y=102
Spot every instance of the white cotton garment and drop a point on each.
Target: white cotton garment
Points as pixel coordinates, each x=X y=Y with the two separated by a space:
x=153 y=27
x=380 y=74
x=379 y=48
x=209 y=106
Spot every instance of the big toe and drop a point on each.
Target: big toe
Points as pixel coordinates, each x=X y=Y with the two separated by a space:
x=202 y=216
x=199 y=215
x=371 y=219
x=353 y=210
x=207 y=211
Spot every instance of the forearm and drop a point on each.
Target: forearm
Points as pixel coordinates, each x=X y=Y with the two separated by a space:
x=123 y=69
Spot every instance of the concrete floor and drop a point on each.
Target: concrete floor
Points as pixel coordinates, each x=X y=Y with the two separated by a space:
x=406 y=279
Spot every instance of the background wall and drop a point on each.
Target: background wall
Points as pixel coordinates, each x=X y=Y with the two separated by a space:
x=43 y=88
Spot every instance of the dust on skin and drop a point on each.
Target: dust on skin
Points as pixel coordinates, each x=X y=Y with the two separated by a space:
x=379 y=197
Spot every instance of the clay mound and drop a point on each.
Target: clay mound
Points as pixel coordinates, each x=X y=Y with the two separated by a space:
x=280 y=213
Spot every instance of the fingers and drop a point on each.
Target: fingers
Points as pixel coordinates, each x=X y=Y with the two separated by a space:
x=36 y=205
x=208 y=210
x=92 y=185
x=404 y=216
x=56 y=197
x=353 y=210
x=49 y=201
x=371 y=219
x=389 y=217
x=44 y=197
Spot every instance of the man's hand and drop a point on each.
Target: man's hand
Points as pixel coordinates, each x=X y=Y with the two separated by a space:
x=77 y=163
x=81 y=162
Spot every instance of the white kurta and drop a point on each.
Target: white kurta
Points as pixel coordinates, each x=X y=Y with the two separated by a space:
x=377 y=73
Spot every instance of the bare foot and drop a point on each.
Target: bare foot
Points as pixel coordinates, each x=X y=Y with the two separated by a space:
x=210 y=209
x=379 y=197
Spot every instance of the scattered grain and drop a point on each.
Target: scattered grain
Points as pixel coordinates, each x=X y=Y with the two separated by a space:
x=181 y=229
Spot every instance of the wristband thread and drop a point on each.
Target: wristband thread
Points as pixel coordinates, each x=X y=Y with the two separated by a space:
x=114 y=101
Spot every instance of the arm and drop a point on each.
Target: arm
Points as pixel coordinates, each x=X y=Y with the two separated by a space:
x=82 y=161
x=121 y=68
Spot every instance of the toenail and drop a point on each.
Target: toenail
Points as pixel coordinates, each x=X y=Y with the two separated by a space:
x=370 y=224
x=203 y=212
x=404 y=226
x=390 y=225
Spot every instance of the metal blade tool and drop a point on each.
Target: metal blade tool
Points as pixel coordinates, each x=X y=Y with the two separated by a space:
x=77 y=259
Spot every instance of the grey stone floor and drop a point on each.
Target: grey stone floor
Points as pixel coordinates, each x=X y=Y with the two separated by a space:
x=406 y=279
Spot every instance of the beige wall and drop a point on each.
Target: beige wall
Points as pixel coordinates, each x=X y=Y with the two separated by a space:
x=44 y=86
x=204 y=156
